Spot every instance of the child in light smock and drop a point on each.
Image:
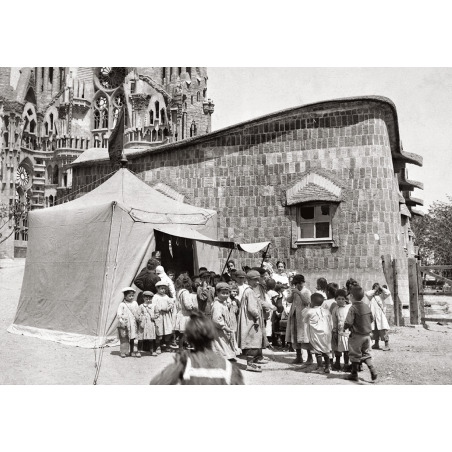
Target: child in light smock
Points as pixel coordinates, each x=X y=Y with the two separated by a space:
x=378 y=297
x=340 y=336
x=127 y=328
x=146 y=325
x=163 y=306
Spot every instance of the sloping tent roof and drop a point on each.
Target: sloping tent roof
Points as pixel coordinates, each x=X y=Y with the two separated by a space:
x=81 y=253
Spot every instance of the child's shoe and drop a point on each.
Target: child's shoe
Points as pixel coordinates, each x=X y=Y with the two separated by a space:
x=386 y=347
x=263 y=360
x=298 y=359
x=376 y=345
x=154 y=354
x=354 y=375
x=138 y=355
x=337 y=365
x=123 y=355
x=347 y=368
x=360 y=367
x=252 y=367
x=327 y=370
x=132 y=354
x=373 y=373
x=158 y=351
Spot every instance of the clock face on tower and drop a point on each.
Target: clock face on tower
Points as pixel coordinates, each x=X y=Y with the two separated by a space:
x=22 y=177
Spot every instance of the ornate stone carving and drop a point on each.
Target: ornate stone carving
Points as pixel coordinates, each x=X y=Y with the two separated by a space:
x=140 y=101
x=81 y=105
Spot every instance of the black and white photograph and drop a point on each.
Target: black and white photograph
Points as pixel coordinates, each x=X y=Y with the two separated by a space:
x=294 y=247
x=272 y=227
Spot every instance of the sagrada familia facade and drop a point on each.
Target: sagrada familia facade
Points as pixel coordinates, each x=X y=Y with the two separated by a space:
x=49 y=116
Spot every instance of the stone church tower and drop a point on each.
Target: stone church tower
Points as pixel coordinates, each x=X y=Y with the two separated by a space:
x=50 y=115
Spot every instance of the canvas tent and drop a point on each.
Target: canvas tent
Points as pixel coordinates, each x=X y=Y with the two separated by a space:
x=81 y=253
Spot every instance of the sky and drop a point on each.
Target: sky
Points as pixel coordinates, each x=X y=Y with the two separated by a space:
x=423 y=98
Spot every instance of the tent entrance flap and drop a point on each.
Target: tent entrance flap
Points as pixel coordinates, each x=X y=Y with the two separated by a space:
x=177 y=253
x=183 y=231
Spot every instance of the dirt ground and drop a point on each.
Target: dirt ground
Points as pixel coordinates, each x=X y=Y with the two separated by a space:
x=418 y=355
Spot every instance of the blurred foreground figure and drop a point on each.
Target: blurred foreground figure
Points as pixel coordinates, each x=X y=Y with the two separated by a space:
x=201 y=366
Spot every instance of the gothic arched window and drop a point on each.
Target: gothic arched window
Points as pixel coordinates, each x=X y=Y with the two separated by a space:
x=101 y=112
x=55 y=174
x=193 y=129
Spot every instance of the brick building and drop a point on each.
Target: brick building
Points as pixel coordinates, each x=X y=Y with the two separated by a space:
x=49 y=116
x=327 y=183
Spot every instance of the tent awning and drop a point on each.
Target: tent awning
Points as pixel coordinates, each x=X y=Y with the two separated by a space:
x=183 y=231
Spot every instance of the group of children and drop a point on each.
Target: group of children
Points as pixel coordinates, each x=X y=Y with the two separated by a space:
x=331 y=323
x=343 y=322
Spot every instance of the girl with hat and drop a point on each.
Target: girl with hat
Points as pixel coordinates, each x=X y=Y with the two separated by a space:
x=164 y=321
x=128 y=315
x=146 y=325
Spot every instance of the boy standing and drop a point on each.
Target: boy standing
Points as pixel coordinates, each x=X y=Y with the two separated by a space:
x=359 y=320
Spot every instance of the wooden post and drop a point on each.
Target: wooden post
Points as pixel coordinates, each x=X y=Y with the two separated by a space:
x=420 y=286
x=414 y=292
x=397 y=305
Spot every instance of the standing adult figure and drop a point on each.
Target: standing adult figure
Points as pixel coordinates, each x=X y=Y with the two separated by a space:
x=227 y=275
x=206 y=294
x=280 y=275
x=240 y=277
x=251 y=336
x=300 y=298
x=147 y=278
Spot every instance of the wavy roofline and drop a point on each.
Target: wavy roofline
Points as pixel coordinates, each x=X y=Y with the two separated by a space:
x=211 y=135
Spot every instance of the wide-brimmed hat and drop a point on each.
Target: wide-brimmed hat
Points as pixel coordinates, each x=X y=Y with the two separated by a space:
x=148 y=293
x=253 y=274
x=128 y=289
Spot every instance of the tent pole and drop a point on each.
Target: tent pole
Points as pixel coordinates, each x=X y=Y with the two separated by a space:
x=265 y=254
x=230 y=252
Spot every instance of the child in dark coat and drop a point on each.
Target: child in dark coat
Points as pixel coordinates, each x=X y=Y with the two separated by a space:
x=359 y=321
